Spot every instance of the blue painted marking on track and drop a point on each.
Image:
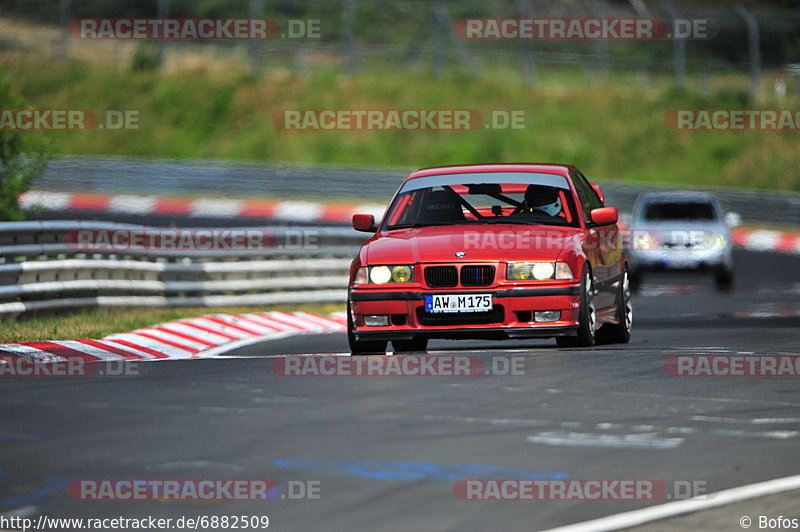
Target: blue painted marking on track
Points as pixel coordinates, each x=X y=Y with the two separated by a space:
x=274 y=493
x=52 y=484
x=14 y=436
x=380 y=470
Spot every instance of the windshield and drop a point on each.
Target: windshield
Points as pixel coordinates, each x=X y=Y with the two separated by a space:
x=679 y=211
x=483 y=198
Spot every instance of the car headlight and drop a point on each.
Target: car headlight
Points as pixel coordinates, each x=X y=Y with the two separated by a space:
x=540 y=271
x=715 y=241
x=384 y=274
x=380 y=274
x=645 y=242
x=402 y=274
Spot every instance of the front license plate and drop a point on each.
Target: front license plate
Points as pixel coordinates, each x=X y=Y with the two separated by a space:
x=440 y=303
x=680 y=262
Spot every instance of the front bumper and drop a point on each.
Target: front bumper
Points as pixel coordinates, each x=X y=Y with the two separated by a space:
x=680 y=260
x=512 y=315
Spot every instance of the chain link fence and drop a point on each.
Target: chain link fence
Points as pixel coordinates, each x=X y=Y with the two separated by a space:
x=752 y=42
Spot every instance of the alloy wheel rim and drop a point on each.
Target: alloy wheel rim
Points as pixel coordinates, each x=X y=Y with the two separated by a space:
x=626 y=295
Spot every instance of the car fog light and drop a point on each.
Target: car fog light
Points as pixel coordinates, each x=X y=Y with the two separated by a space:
x=547 y=315
x=376 y=320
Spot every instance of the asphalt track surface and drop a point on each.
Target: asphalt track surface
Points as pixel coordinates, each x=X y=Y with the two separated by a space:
x=387 y=450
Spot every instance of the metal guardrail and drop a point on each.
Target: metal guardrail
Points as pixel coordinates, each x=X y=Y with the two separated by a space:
x=41 y=268
x=319 y=183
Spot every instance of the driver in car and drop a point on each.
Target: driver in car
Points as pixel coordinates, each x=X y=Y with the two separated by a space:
x=543 y=199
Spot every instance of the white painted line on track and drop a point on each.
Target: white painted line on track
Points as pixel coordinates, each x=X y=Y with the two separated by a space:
x=756 y=421
x=617 y=441
x=675 y=508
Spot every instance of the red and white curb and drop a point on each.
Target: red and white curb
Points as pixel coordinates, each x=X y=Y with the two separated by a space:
x=299 y=211
x=200 y=337
x=766 y=240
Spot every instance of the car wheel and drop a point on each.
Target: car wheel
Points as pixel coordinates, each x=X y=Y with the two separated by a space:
x=362 y=347
x=723 y=279
x=619 y=333
x=587 y=318
x=405 y=346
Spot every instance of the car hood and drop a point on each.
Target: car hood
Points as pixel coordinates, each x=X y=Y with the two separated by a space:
x=481 y=243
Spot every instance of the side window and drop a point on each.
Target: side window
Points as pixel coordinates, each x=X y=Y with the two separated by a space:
x=585 y=194
x=405 y=211
x=594 y=200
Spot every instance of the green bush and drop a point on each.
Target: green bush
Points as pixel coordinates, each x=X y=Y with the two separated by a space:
x=22 y=158
x=145 y=59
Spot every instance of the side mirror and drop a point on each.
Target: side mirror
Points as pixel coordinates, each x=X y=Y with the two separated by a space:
x=364 y=223
x=604 y=216
x=733 y=219
x=599 y=192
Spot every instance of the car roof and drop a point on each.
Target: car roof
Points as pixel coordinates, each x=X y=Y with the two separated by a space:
x=677 y=197
x=546 y=168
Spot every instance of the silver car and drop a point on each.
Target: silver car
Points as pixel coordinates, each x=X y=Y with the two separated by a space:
x=681 y=231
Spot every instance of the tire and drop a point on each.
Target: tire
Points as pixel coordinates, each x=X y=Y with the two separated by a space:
x=619 y=333
x=406 y=346
x=361 y=347
x=723 y=279
x=586 y=319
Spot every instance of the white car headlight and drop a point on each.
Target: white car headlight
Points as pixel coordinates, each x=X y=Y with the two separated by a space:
x=380 y=274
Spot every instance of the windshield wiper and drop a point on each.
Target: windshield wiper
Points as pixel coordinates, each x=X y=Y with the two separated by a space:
x=429 y=224
x=405 y=226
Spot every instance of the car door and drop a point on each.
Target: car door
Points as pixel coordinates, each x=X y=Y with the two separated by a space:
x=603 y=241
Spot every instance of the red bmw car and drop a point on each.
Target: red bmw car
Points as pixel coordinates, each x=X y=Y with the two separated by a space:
x=494 y=251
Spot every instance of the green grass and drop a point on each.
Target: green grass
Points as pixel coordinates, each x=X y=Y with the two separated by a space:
x=611 y=129
x=97 y=323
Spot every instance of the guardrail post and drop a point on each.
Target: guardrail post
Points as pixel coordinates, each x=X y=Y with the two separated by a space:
x=348 y=34
x=163 y=12
x=678 y=50
x=256 y=46
x=526 y=11
x=600 y=45
x=64 y=17
x=754 y=51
